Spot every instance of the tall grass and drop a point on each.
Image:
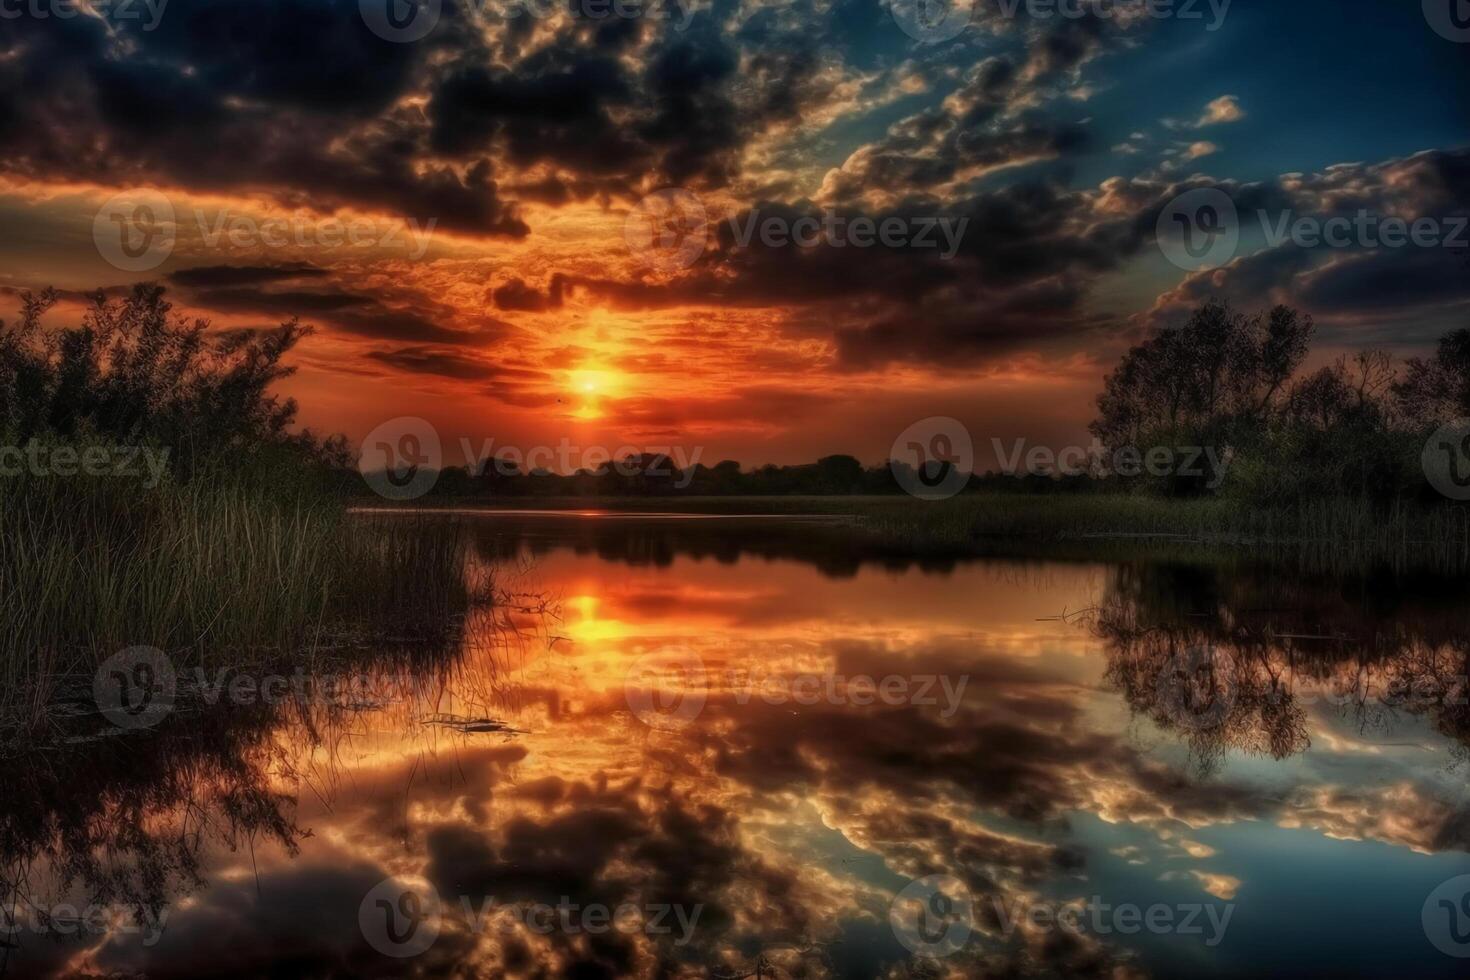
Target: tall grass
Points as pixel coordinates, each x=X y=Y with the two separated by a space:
x=211 y=571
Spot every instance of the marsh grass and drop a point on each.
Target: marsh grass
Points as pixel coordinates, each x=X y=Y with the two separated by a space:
x=210 y=571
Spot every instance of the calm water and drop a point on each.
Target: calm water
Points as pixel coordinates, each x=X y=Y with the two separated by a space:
x=728 y=748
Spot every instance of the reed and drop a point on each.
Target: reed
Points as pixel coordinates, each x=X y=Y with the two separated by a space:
x=211 y=571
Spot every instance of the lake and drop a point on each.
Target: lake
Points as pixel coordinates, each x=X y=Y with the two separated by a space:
x=741 y=747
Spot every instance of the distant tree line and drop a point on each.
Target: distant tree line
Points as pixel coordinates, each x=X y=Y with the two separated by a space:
x=1224 y=379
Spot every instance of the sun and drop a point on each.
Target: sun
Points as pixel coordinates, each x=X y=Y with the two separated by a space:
x=594 y=381
x=590 y=386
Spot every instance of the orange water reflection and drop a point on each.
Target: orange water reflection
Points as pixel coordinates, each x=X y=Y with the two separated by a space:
x=668 y=756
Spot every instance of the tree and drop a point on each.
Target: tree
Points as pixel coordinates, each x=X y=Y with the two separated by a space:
x=1436 y=391
x=133 y=372
x=1216 y=381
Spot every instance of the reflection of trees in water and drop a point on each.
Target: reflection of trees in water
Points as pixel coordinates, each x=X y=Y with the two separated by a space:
x=830 y=546
x=1234 y=659
x=121 y=819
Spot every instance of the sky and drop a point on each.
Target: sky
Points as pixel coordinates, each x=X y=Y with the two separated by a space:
x=523 y=220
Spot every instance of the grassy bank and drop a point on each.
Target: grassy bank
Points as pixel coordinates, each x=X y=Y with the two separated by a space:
x=1327 y=534
x=215 y=572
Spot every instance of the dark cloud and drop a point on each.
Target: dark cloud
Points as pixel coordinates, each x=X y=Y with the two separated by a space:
x=516 y=295
x=355 y=313
x=429 y=360
x=214 y=276
x=292 y=96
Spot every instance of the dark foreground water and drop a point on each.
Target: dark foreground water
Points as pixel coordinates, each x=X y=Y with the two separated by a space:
x=740 y=748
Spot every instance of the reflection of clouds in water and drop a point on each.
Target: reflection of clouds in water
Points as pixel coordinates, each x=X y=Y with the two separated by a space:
x=790 y=826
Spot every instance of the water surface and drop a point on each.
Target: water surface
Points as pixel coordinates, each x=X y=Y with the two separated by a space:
x=789 y=757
